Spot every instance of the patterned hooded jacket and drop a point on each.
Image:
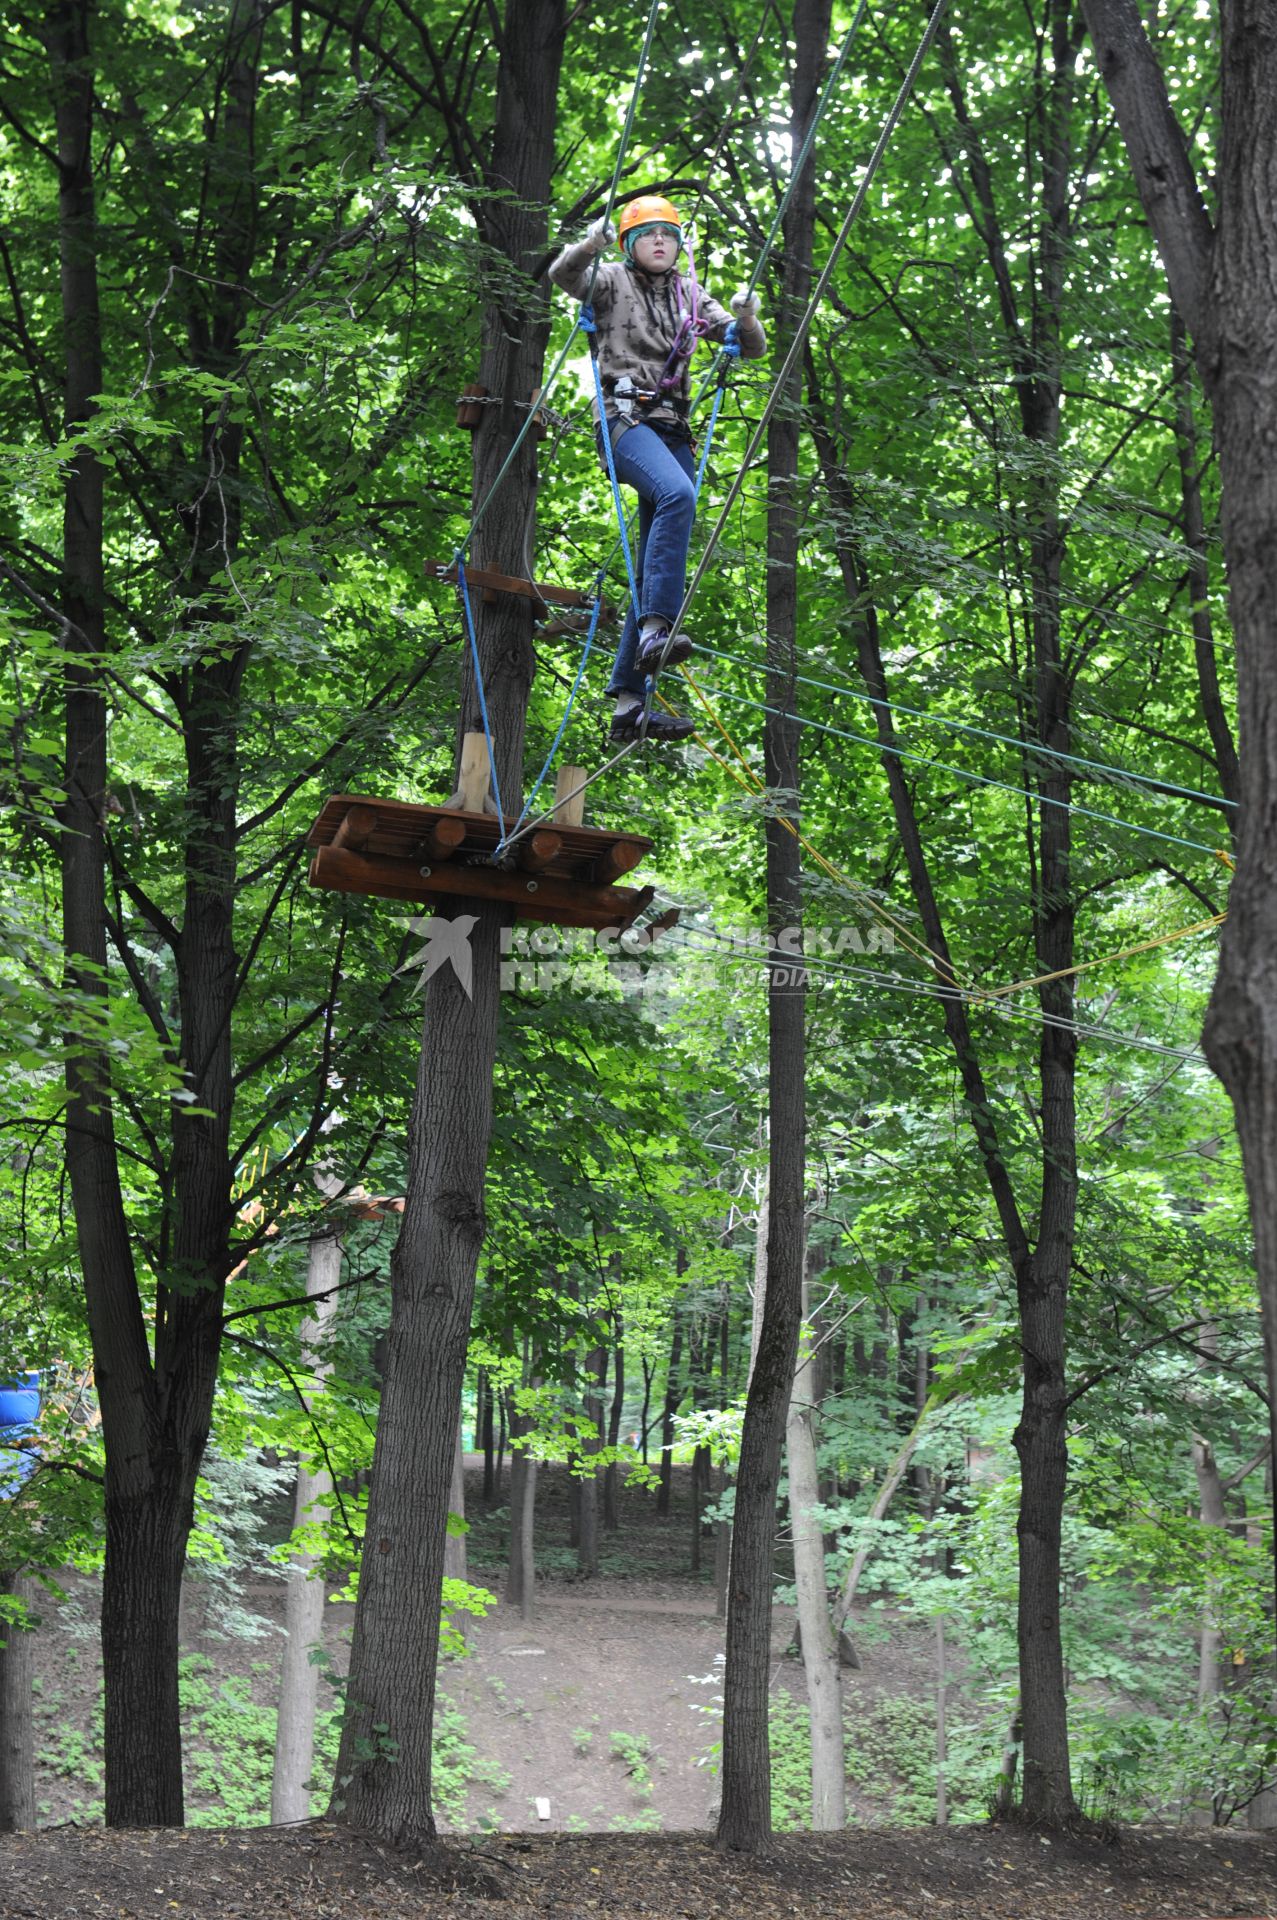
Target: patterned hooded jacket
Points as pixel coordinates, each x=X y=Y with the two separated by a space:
x=638 y=317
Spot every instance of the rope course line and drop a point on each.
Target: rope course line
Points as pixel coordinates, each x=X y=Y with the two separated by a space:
x=975 y=779
x=781 y=382
x=753 y=784
x=1123 y=953
x=977 y=995
x=1122 y=776
x=871 y=168
x=841 y=971
x=571 y=701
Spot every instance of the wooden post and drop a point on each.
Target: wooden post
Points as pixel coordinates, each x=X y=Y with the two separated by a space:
x=474 y=782
x=470 y=407
x=569 y=805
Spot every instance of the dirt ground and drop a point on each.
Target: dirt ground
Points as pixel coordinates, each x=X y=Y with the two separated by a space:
x=322 y=1872
x=595 y=1710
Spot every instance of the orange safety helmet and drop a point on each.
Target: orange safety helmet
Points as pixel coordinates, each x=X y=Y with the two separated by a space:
x=648 y=210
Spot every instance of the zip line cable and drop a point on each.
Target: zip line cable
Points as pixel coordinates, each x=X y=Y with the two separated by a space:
x=560 y=362
x=961 y=773
x=875 y=160
x=977 y=994
x=693 y=939
x=1122 y=776
x=781 y=383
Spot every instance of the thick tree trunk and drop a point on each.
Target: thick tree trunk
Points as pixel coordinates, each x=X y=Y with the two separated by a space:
x=304 y=1589
x=819 y=1638
x=396 y=1634
x=17 y=1710
x=1221 y=281
x=745 y=1816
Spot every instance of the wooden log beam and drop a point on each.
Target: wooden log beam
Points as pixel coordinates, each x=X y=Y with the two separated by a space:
x=621 y=857
x=357 y=828
x=443 y=839
x=563 y=902
x=538 y=850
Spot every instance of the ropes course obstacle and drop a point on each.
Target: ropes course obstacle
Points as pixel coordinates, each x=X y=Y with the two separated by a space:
x=550 y=867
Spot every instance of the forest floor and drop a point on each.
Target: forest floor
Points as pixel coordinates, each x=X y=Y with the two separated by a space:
x=323 y=1872
x=581 y=1771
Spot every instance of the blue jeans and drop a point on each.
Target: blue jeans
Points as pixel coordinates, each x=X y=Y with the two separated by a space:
x=663 y=474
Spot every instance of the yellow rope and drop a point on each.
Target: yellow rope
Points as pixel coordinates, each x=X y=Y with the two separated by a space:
x=920 y=950
x=1123 y=953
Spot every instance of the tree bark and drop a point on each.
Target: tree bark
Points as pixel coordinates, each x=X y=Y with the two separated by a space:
x=304 y=1588
x=819 y=1638
x=669 y=1407
x=384 y=1777
x=587 y=1553
x=745 y=1816
x=17 y=1711
x=1221 y=281
x=520 y=1567
x=611 y=1512
x=155 y=1416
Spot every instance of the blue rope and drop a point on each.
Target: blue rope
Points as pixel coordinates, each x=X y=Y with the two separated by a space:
x=576 y=686
x=478 y=681
x=730 y=351
x=589 y=327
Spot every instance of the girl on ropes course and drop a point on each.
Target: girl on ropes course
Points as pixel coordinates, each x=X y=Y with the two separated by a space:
x=646 y=321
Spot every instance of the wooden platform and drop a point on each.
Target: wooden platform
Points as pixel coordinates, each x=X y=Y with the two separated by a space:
x=396 y=850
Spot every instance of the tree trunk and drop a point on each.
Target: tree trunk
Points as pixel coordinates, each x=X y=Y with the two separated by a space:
x=587 y=1554
x=819 y=1638
x=17 y=1715
x=520 y=1569
x=670 y=1406
x=745 y=1816
x=489 y=1449
x=1221 y=282
x=454 y=1546
x=611 y=1513
x=155 y=1418
x=304 y=1589
x=386 y=1776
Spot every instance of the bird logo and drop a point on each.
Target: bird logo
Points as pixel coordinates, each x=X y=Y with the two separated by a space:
x=447 y=943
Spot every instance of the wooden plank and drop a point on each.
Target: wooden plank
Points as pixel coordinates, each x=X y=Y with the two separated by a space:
x=489 y=581
x=569 y=797
x=408 y=831
x=564 y=902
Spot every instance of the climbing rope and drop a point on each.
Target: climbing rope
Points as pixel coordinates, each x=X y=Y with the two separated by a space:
x=964 y=773
x=1120 y=776
x=464 y=589
x=875 y=160
x=781 y=383
x=567 y=711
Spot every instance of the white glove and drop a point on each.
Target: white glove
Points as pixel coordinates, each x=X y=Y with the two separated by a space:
x=744 y=306
x=599 y=234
